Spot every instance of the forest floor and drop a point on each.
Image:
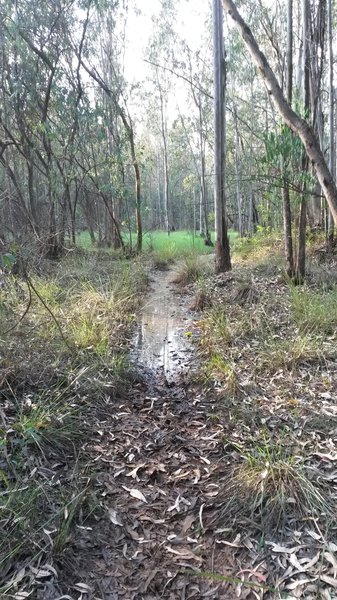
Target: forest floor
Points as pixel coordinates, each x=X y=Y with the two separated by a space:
x=212 y=474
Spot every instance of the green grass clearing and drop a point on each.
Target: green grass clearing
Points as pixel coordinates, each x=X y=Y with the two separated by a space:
x=176 y=243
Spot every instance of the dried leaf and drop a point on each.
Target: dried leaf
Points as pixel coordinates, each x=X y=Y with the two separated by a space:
x=135 y=493
x=329 y=580
x=236 y=544
x=331 y=559
x=175 y=506
x=83 y=587
x=184 y=553
x=114 y=517
x=283 y=549
x=332 y=547
x=188 y=522
x=297 y=583
x=134 y=471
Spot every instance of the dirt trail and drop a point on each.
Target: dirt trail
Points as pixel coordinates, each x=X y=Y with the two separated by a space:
x=160 y=347
x=160 y=461
x=157 y=461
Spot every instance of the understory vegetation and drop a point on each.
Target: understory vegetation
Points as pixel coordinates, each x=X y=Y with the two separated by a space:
x=265 y=371
x=268 y=352
x=62 y=366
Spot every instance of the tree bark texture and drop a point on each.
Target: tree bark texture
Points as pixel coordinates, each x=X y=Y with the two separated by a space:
x=287 y=217
x=222 y=253
x=332 y=146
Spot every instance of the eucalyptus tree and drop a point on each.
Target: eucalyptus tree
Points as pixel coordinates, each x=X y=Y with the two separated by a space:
x=297 y=123
x=287 y=215
x=108 y=77
x=199 y=75
x=160 y=52
x=222 y=250
x=332 y=140
x=32 y=54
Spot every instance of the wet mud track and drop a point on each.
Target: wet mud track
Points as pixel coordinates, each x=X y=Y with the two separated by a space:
x=160 y=347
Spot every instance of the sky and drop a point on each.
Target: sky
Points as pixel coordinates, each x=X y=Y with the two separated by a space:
x=190 y=25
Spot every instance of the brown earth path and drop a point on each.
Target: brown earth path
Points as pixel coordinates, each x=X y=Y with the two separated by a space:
x=157 y=458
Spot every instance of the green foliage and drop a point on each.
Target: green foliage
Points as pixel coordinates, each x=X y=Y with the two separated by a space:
x=315 y=311
x=263 y=243
x=284 y=154
x=287 y=354
x=7 y=260
x=282 y=146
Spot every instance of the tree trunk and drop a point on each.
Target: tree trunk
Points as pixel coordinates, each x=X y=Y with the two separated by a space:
x=165 y=156
x=300 y=263
x=138 y=207
x=294 y=121
x=332 y=148
x=237 y=174
x=204 y=227
x=287 y=218
x=288 y=239
x=222 y=252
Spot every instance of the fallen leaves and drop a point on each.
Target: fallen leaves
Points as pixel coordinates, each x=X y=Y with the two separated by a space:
x=134 y=493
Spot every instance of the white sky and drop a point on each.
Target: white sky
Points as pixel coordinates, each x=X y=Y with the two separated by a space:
x=190 y=26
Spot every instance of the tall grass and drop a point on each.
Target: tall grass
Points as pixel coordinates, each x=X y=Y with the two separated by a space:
x=159 y=241
x=271 y=486
x=53 y=387
x=315 y=311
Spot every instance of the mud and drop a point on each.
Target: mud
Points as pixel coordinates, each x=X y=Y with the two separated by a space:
x=161 y=345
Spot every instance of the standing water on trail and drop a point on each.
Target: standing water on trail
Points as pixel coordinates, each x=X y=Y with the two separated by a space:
x=160 y=344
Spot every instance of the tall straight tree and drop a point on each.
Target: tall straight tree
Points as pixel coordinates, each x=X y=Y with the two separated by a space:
x=300 y=260
x=222 y=250
x=332 y=146
x=288 y=239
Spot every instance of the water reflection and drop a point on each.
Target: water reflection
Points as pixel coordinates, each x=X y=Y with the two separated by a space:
x=159 y=341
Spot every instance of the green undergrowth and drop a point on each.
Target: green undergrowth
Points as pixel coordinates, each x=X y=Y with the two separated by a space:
x=178 y=242
x=267 y=353
x=315 y=311
x=61 y=365
x=268 y=483
x=263 y=246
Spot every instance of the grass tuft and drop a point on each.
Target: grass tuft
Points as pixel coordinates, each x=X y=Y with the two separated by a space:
x=270 y=487
x=260 y=247
x=315 y=311
x=287 y=354
x=203 y=297
x=54 y=388
x=190 y=270
x=218 y=370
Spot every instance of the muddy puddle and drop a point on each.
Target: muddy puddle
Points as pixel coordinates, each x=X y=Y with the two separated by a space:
x=160 y=345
